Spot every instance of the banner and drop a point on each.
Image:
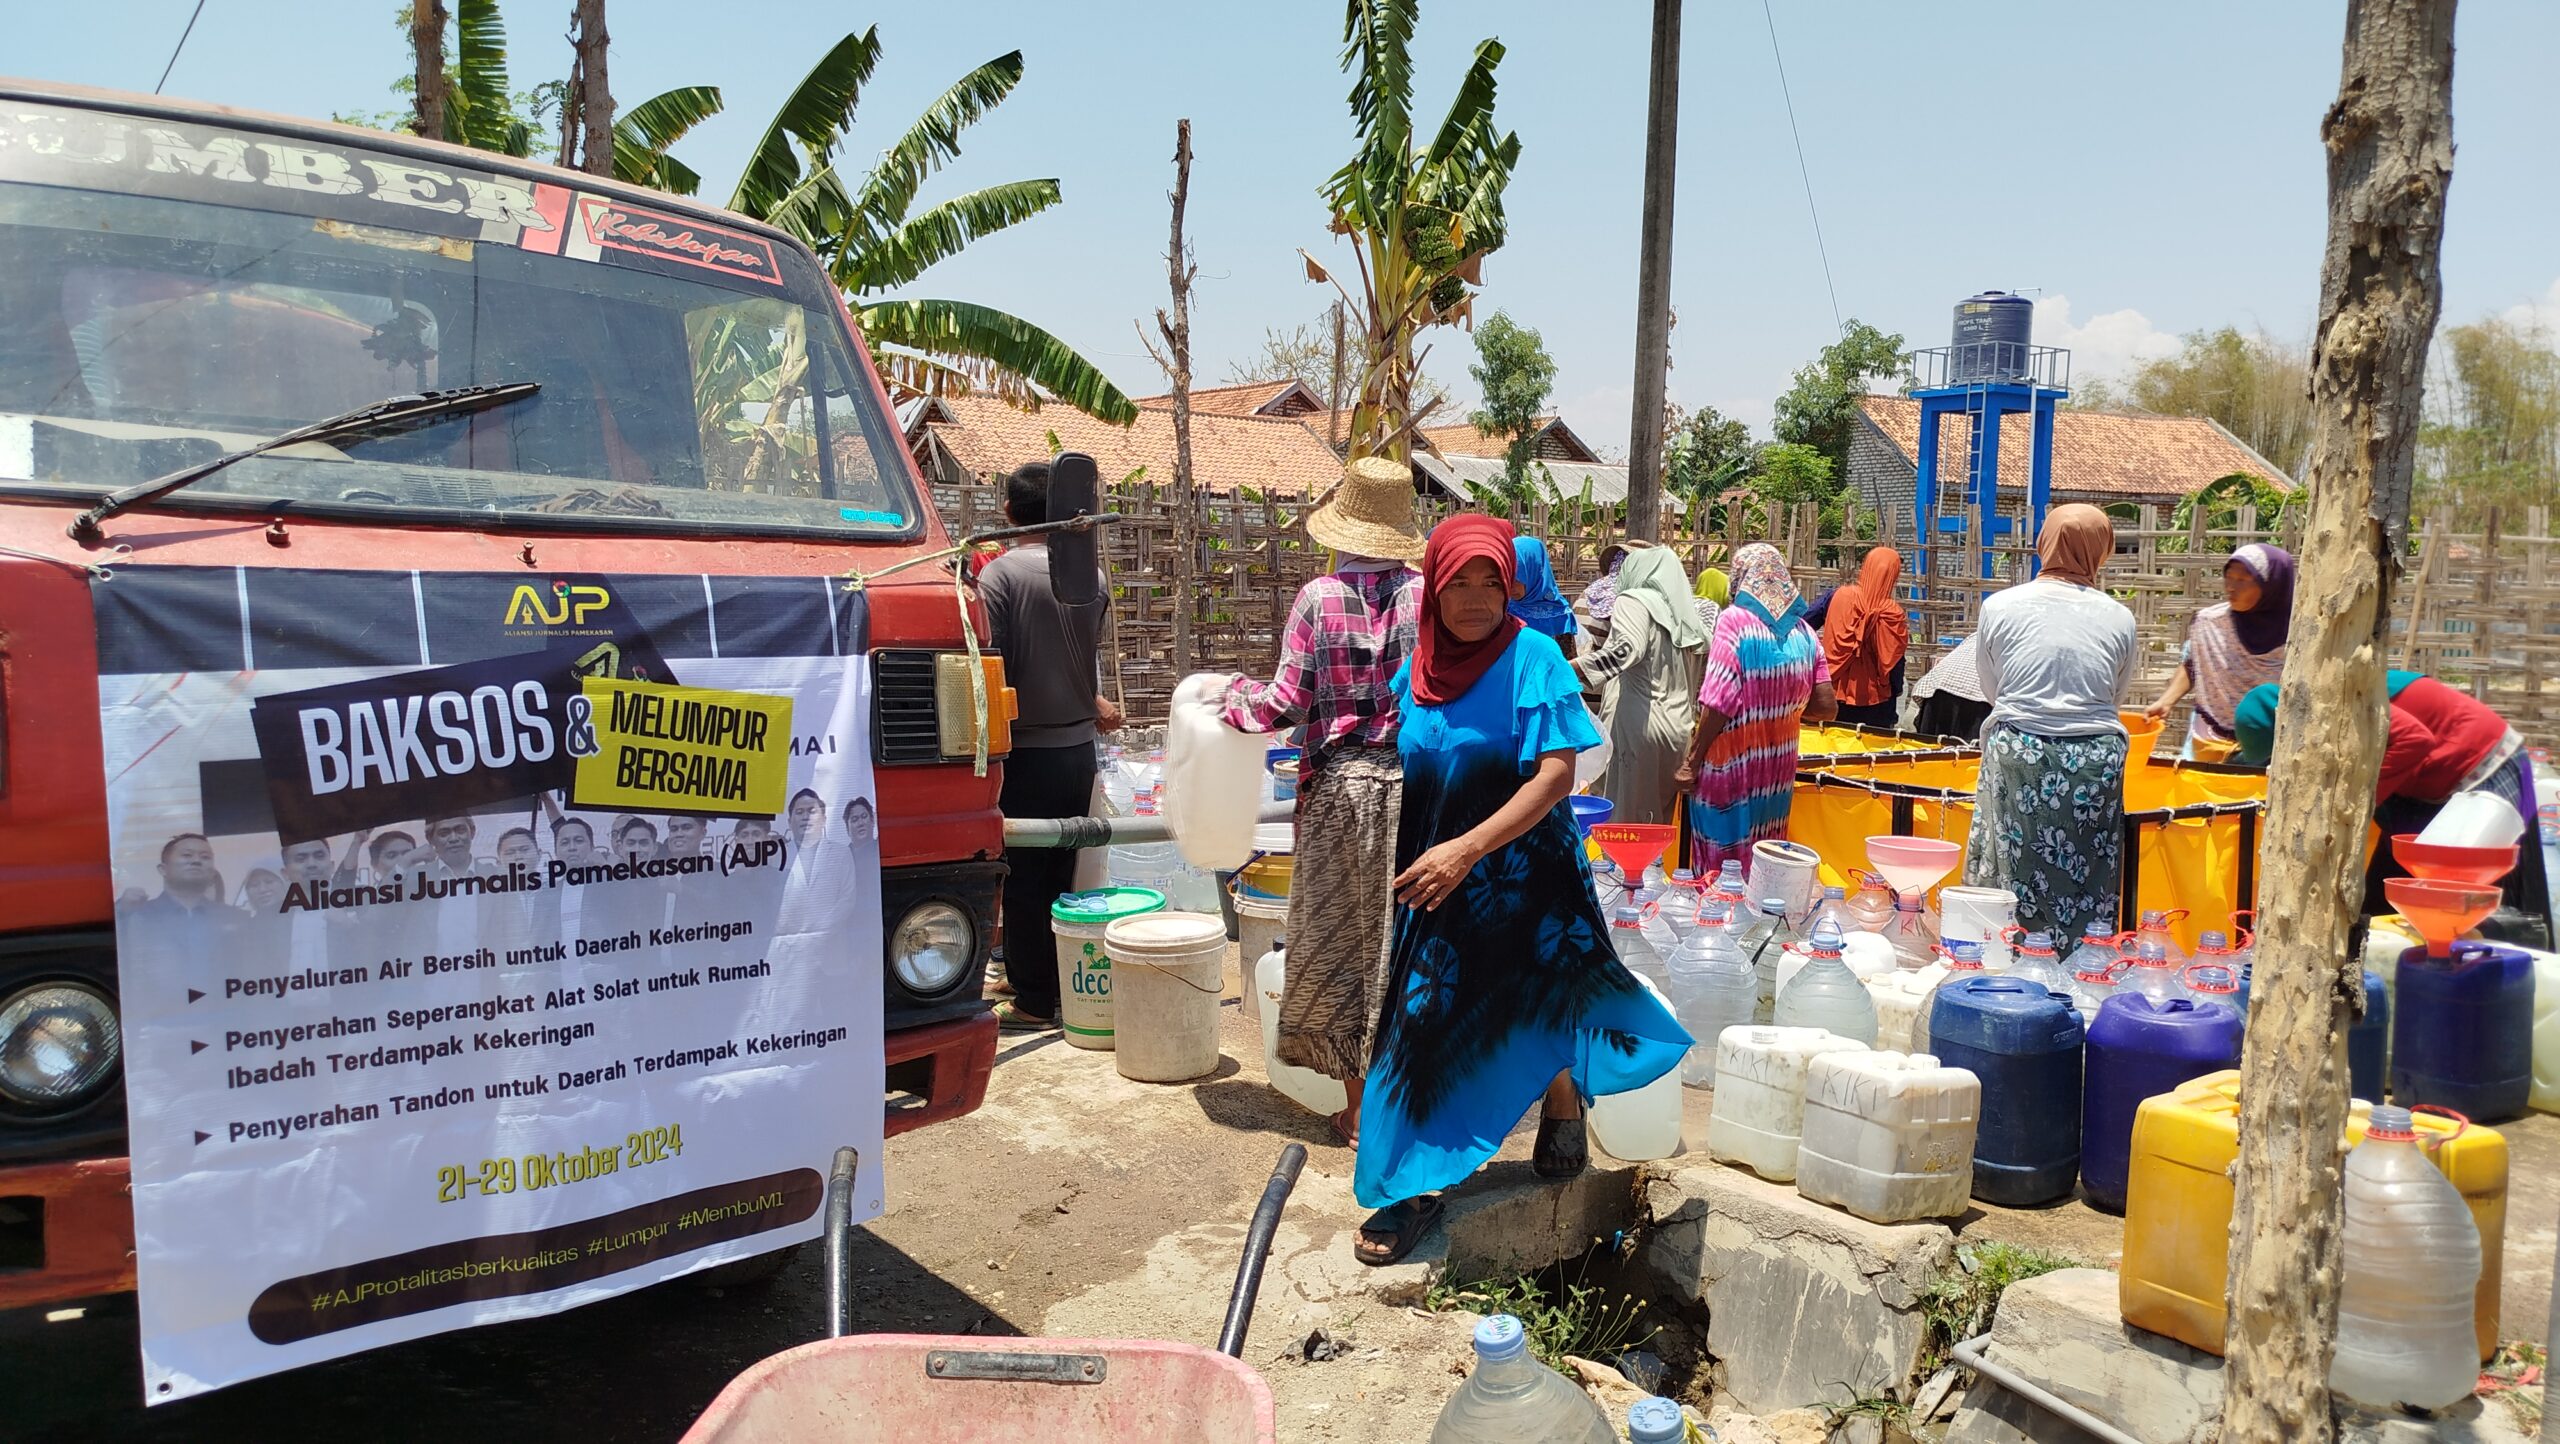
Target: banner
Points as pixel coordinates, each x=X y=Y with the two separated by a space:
x=488 y=943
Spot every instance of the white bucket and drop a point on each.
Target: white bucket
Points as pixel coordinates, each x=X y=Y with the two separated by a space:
x=1788 y=870
x=1169 y=975
x=1079 y=921
x=1979 y=915
x=1259 y=924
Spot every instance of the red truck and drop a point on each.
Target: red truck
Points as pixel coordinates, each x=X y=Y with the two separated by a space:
x=185 y=281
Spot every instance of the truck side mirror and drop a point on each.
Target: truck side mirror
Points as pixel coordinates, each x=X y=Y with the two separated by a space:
x=1075 y=557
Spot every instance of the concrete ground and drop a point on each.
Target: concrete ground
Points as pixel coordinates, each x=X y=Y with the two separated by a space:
x=1075 y=1203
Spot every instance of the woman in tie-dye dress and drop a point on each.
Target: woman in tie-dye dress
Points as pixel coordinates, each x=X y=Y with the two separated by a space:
x=1765 y=676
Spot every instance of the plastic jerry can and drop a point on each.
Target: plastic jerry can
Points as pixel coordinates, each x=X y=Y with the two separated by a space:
x=2546 y=1032
x=1760 y=1076
x=2138 y=1048
x=2024 y=1043
x=1902 y=1007
x=1888 y=1136
x=1641 y=1124
x=2462 y=1031
x=1305 y=1086
x=2177 y=1209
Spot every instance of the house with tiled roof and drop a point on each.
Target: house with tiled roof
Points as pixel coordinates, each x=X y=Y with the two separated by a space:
x=2103 y=457
x=1552 y=441
x=956 y=439
x=1252 y=398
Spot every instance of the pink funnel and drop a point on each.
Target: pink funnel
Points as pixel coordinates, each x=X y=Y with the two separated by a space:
x=2440 y=911
x=1913 y=865
x=1632 y=845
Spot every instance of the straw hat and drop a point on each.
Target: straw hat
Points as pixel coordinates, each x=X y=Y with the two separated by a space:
x=1371 y=513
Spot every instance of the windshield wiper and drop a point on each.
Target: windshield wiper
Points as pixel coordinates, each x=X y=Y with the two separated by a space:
x=382 y=418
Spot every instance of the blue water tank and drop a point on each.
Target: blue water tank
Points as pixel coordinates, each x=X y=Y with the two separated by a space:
x=2023 y=1041
x=1992 y=335
x=2462 y=1037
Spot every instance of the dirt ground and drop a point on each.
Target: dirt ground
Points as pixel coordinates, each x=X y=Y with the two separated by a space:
x=1074 y=1204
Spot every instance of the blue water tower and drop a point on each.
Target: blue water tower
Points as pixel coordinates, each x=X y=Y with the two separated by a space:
x=1991 y=368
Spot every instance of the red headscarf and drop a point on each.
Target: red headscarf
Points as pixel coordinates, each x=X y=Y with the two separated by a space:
x=1865 y=632
x=1443 y=666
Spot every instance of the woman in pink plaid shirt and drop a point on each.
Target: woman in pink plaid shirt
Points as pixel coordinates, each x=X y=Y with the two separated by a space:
x=1349 y=632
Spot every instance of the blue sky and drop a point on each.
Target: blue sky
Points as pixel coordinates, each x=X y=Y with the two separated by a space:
x=2145 y=169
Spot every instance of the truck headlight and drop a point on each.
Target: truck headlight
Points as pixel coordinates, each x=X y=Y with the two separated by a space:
x=934 y=944
x=58 y=1045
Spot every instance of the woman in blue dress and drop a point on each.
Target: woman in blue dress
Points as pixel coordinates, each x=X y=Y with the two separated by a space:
x=1502 y=988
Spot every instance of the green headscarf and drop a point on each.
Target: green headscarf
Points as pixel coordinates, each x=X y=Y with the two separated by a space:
x=1654 y=579
x=2253 y=722
x=1715 y=586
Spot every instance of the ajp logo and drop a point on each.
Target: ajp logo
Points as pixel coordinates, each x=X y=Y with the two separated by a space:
x=567 y=605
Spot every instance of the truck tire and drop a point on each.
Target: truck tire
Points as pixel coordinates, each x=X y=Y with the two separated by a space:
x=746 y=1273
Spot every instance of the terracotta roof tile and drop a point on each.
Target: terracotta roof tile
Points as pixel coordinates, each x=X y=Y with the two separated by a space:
x=1276 y=455
x=2099 y=453
x=1251 y=398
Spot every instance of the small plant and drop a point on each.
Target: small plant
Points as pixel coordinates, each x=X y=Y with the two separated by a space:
x=1959 y=1304
x=1567 y=1317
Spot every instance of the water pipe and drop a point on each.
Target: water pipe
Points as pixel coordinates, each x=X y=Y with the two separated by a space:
x=1043 y=832
x=1970 y=1353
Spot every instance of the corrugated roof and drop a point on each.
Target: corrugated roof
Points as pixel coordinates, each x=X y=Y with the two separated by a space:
x=2098 y=453
x=1252 y=398
x=1276 y=455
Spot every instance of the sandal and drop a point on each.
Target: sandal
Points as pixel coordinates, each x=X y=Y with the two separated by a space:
x=1011 y=1019
x=1342 y=1135
x=1563 y=1150
x=1403 y=1224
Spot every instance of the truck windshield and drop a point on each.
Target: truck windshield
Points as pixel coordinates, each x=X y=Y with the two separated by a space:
x=175 y=291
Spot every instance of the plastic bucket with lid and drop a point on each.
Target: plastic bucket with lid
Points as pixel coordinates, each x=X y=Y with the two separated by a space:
x=1084 y=960
x=1168 y=977
x=1260 y=921
x=1979 y=915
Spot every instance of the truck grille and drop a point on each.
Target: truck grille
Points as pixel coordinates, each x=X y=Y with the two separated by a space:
x=905 y=725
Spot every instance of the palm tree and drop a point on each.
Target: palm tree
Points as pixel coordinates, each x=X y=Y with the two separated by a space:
x=1421 y=221
x=873 y=240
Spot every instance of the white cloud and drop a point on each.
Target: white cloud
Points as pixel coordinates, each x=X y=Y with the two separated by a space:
x=2104 y=346
x=2542 y=313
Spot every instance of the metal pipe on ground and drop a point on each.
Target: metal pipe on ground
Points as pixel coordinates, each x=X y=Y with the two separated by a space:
x=1970 y=1353
x=1107 y=831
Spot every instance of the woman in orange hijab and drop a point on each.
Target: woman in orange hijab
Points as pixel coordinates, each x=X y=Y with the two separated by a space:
x=1864 y=637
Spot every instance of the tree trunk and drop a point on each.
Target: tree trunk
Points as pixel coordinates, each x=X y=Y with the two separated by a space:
x=426 y=37
x=2389 y=139
x=1333 y=391
x=595 y=96
x=1177 y=338
x=1653 y=278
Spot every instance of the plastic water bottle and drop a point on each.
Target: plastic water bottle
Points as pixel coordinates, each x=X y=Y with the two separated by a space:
x=1872 y=907
x=1609 y=885
x=2155 y=972
x=2094 y=981
x=2035 y=962
x=1712 y=988
x=1962 y=959
x=1635 y=949
x=1728 y=888
x=1763 y=942
x=1834 y=905
x=1913 y=935
x=1119 y=782
x=1825 y=994
x=1688 y=894
x=1146 y=864
x=1511 y=1398
x=1656 y=1420
x=2155 y=929
x=2097 y=951
x=2412 y=1254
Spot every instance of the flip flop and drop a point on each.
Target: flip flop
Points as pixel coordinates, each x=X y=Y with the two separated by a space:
x=1011 y=1019
x=1563 y=1149
x=1406 y=1224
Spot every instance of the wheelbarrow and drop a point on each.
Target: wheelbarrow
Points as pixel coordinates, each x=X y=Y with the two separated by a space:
x=919 y=1388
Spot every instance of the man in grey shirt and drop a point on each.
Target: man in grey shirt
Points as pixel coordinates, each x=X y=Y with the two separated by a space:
x=1045 y=607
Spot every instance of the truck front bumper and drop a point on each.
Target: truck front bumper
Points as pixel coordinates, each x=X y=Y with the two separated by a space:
x=66 y=1230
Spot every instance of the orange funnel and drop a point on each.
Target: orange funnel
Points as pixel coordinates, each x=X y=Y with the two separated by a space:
x=1632 y=845
x=2440 y=911
x=2438 y=862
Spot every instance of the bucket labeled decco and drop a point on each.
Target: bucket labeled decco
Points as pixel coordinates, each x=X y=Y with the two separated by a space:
x=1169 y=975
x=1084 y=961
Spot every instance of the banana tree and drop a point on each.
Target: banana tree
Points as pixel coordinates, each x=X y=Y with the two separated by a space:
x=1421 y=221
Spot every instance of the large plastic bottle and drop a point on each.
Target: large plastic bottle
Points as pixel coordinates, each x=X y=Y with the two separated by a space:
x=1641 y=1124
x=1608 y=885
x=2095 y=952
x=1728 y=888
x=2412 y=1254
x=1627 y=935
x=1511 y=1398
x=1712 y=988
x=1146 y=864
x=1834 y=905
x=2155 y=929
x=1764 y=941
x=1825 y=994
x=2155 y=971
x=1913 y=935
x=1872 y=906
x=2034 y=961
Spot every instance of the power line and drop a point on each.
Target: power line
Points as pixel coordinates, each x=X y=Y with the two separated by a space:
x=1819 y=248
x=182 y=45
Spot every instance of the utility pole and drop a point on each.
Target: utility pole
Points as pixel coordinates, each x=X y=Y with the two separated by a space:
x=1653 y=277
x=2389 y=139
